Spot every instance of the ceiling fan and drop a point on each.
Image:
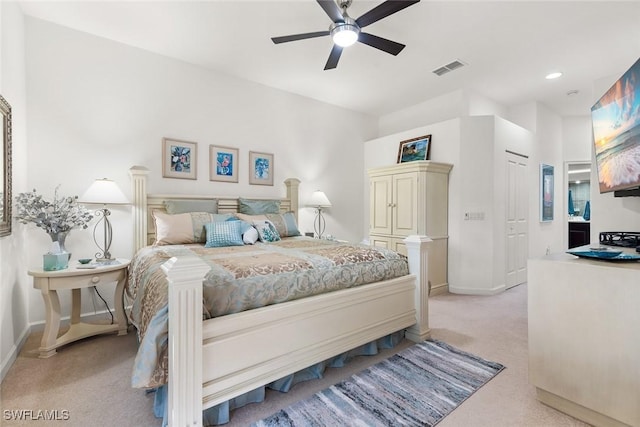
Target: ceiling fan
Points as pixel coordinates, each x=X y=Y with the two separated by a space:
x=345 y=30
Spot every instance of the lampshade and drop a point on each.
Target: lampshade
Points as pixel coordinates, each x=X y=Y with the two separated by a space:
x=104 y=192
x=319 y=199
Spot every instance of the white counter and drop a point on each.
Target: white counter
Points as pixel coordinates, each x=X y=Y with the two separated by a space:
x=584 y=337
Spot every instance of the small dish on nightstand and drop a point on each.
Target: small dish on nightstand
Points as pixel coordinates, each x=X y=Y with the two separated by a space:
x=85 y=260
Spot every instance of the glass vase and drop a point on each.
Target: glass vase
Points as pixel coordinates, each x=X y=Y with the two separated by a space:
x=60 y=237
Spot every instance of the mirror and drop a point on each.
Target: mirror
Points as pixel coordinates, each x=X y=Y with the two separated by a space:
x=5 y=162
x=580 y=187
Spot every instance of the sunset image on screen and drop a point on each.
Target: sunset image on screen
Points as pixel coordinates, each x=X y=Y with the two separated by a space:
x=616 y=133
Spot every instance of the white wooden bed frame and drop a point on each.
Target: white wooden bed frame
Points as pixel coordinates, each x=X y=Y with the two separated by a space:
x=218 y=359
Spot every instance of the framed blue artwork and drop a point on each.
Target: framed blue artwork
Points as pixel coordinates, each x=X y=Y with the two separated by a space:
x=223 y=163
x=260 y=168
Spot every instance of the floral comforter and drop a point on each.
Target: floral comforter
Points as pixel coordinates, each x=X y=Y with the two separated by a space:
x=246 y=277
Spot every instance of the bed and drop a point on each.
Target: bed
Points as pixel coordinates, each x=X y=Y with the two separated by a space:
x=212 y=361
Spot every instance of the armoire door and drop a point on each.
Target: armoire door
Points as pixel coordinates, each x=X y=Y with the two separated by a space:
x=380 y=208
x=405 y=204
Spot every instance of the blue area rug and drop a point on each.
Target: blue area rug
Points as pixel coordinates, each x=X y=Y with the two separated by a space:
x=417 y=387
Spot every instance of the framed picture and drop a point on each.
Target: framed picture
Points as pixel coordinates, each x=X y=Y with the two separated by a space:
x=223 y=163
x=260 y=168
x=179 y=159
x=546 y=193
x=414 y=149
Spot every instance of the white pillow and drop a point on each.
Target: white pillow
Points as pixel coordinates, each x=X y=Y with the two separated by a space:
x=250 y=236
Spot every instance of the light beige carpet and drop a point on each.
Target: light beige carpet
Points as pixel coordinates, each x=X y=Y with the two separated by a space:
x=91 y=378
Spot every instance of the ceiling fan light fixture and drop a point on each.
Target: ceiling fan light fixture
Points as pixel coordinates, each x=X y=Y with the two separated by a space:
x=344 y=33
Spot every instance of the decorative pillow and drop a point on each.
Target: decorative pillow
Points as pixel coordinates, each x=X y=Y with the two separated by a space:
x=181 y=228
x=266 y=231
x=226 y=233
x=250 y=236
x=285 y=223
x=258 y=207
x=191 y=205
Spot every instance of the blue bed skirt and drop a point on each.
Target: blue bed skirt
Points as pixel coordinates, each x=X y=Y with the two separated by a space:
x=220 y=413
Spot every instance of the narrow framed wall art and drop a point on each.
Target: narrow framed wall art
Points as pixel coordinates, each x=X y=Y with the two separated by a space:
x=546 y=193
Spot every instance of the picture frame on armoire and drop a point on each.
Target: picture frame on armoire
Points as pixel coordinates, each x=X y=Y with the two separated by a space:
x=414 y=149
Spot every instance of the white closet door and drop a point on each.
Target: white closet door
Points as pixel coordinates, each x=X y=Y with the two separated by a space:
x=517 y=226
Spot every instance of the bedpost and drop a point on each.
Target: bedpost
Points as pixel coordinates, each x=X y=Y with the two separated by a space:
x=292 y=194
x=139 y=183
x=418 y=256
x=185 y=276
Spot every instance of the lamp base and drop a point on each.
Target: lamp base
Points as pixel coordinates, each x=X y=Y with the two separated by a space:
x=106 y=261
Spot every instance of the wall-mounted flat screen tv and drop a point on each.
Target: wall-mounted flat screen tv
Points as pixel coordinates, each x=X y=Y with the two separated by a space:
x=616 y=133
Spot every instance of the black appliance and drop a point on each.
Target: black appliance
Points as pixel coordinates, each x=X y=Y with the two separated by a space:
x=626 y=239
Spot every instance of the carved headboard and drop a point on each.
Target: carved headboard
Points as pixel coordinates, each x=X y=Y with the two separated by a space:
x=144 y=204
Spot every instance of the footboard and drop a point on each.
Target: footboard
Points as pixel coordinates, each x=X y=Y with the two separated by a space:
x=213 y=361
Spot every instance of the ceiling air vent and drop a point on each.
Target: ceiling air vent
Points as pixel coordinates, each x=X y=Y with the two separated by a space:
x=449 y=67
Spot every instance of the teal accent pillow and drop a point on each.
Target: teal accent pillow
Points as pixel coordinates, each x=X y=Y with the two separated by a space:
x=191 y=205
x=226 y=233
x=258 y=207
x=266 y=231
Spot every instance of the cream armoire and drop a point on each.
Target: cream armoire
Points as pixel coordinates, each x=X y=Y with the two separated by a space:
x=412 y=198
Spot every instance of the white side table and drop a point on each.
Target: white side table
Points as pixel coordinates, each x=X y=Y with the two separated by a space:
x=49 y=282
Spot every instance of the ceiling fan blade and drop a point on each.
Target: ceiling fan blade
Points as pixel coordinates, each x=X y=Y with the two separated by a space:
x=379 y=43
x=331 y=8
x=383 y=10
x=295 y=37
x=334 y=57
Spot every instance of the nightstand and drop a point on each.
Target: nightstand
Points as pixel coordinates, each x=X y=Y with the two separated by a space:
x=74 y=278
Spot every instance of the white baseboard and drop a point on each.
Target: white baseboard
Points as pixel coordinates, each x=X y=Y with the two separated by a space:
x=13 y=353
x=475 y=291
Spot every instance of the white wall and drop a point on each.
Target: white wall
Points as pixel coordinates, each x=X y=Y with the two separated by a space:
x=459 y=103
x=97 y=107
x=14 y=286
x=476 y=147
x=439 y=109
x=548 y=150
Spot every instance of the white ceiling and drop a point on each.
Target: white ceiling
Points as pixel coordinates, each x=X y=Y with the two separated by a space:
x=509 y=46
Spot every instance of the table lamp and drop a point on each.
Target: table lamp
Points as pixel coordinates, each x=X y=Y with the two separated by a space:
x=319 y=200
x=104 y=192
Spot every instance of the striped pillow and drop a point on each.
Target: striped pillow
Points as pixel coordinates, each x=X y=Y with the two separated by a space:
x=285 y=223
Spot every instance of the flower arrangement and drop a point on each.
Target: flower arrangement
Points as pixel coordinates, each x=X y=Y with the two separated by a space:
x=61 y=215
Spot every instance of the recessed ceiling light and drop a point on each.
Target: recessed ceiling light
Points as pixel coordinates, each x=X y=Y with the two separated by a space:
x=573 y=92
x=554 y=75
